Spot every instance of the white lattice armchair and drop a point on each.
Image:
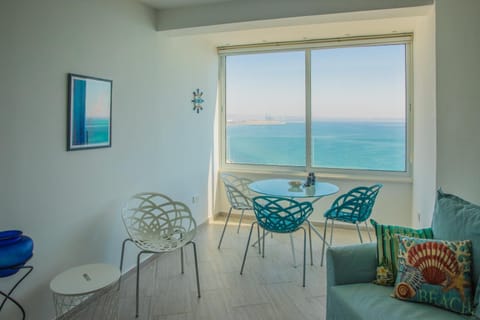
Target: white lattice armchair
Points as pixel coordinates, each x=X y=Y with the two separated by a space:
x=157 y=224
x=239 y=196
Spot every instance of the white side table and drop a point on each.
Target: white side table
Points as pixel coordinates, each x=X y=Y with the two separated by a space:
x=77 y=285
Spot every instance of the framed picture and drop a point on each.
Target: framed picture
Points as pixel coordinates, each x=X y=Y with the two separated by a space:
x=89 y=112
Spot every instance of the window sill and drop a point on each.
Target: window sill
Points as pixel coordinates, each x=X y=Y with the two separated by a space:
x=268 y=172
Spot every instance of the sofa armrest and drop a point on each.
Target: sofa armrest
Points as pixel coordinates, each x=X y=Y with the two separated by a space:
x=351 y=264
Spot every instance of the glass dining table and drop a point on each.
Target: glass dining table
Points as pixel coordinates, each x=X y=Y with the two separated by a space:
x=294 y=189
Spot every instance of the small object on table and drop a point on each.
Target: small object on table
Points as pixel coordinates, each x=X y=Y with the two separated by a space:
x=295 y=183
x=15 y=250
x=77 y=285
x=296 y=186
x=310 y=180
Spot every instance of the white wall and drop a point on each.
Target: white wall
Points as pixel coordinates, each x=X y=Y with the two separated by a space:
x=424 y=125
x=68 y=202
x=458 y=96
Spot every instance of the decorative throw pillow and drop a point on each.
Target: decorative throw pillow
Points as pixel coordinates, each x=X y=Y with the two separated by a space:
x=436 y=272
x=387 y=249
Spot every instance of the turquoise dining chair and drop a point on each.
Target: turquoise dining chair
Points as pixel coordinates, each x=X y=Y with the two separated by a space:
x=280 y=215
x=353 y=207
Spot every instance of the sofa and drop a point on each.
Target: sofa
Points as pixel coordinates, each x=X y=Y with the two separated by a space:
x=351 y=270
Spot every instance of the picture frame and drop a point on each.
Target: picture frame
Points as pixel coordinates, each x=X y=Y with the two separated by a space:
x=89 y=112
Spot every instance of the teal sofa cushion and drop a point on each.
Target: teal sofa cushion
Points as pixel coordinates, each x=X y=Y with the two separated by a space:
x=457 y=219
x=369 y=301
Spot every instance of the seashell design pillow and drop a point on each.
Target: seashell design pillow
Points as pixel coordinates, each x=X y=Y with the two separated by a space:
x=435 y=272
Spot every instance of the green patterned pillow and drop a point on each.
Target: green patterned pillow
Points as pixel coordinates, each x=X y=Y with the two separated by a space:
x=387 y=249
x=435 y=272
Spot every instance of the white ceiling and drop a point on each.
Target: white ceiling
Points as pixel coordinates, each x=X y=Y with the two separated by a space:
x=389 y=21
x=308 y=28
x=313 y=31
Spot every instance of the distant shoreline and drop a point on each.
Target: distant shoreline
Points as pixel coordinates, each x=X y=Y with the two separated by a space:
x=256 y=122
x=278 y=122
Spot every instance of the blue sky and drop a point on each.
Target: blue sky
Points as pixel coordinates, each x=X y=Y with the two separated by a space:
x=98 y=99
x=347 y=83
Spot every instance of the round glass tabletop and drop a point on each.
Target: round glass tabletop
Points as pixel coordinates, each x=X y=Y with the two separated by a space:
x=285 y=188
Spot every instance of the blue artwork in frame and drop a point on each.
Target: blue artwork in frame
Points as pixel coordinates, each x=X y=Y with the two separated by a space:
x=89 y=112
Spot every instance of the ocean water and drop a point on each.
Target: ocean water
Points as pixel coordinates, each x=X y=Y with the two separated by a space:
x=335 y=144
x=98 y=130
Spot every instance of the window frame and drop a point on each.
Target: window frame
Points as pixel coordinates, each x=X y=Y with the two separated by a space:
x=307 y=46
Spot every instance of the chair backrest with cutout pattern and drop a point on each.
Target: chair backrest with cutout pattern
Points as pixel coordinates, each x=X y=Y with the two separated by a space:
x=153 y=216
x=355 y=205
x=238 y=194
x=282 y=215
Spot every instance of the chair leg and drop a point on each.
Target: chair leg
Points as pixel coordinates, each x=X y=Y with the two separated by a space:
x=225 y=227
x=263 y=244
x=240 y=222
x=324 y=240
x=310 y=240
x=137 y=294
x=331 y=232
x=368 y=231
x=246 y=249
x=258 y=239
x=304 y=253
x=181 y=258
x=196 y=266
x=292 y=246
x=123 y=251
x=359 y=234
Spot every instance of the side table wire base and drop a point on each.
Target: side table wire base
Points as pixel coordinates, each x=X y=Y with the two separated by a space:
x=102 y=304
x=8 y=296
x=87 y=292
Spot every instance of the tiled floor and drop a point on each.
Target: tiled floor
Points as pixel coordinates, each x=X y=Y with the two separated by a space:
x=270 y=287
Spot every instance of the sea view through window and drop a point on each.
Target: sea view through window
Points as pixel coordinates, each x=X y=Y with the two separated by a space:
x=333 y=108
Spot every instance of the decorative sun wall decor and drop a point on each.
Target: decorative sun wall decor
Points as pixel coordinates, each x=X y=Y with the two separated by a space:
x=197 y=100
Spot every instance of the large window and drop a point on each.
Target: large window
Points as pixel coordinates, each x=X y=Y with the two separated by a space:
x=318 y=107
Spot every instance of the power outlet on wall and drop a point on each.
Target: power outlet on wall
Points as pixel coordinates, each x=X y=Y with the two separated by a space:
x=195 y=198
x=419 y=216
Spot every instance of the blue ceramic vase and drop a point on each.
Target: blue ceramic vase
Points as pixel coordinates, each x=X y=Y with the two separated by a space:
x=15 y=250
